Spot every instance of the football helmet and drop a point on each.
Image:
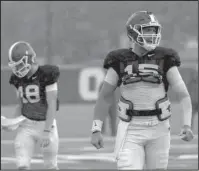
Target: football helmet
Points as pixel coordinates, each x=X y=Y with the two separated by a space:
x=135 y=26
x=21 y=56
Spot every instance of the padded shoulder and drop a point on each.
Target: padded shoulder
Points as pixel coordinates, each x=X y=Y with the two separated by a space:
x=50 y=74
x=114 y=58
x=171 y=57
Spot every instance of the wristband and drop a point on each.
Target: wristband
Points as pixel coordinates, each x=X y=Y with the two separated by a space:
x=97 y=126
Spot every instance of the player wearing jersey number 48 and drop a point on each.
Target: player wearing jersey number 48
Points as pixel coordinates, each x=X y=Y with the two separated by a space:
x=143 y=72
x=37 y=93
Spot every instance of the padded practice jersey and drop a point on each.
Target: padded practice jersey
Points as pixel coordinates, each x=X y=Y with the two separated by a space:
x=142 y=80
x=32 y=91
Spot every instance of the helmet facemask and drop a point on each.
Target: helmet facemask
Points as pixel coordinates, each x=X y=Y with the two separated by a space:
x=21 y=67
x=148 y=41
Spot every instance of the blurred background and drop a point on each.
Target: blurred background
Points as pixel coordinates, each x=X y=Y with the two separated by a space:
x=78 y=32
x=77 y=36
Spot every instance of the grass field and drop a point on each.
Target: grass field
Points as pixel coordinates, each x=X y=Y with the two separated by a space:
x=75 y=152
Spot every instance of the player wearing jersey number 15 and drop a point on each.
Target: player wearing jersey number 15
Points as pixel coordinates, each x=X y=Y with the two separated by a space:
x=37 y=93
x=143 y=72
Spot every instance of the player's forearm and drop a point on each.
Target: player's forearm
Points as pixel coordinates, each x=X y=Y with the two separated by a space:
x=185 y=102
x=50 y=117
x=101 y=108
x=101 y=111
x=177 y=84
x=52 y=105
x=186 y=109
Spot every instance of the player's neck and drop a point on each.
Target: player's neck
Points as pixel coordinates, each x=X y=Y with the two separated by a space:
x=34 y=68
x=138 y=50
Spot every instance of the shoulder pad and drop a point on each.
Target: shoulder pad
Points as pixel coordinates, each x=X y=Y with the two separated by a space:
x=115 y=57
x=171 y=57
x=167 y=51
x=118 y=55
x=50 y=74
x=14 y=80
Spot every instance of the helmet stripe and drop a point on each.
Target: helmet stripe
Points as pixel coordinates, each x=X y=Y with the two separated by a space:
x=153 y=19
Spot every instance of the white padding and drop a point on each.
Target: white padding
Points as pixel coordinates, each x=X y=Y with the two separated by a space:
x=52 y=87
x=111 y=77
x=174 y=77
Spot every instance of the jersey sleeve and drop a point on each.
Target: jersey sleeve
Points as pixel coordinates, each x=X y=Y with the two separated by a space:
x=51 y=75
x=171 y=59
x=111 y=61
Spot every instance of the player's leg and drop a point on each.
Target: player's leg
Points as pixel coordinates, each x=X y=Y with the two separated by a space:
x=129 y=146
x=131 y=157
x=24 y=147
x=104 y=126
x=50 y=152
x=157 y=152
x=194 y=116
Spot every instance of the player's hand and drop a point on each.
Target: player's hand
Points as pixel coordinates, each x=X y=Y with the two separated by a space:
x=186 y=133
x=97 y=140
x=45 y=139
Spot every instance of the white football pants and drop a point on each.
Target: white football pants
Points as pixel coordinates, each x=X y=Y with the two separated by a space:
x=144 y=147
x=29 y=134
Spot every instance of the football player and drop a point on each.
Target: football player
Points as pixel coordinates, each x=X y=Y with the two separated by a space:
x=143 y=72
x=37 y=92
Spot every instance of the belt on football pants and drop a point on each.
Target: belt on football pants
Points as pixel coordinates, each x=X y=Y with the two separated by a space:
x=35 y=119
x=155 y=112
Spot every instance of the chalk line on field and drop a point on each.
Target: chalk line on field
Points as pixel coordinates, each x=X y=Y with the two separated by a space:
x=7 y=160
x=87 y=139
x=186 y=156
x=75 y=159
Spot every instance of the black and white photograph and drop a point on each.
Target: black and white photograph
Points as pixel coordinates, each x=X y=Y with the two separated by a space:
x=97 y=85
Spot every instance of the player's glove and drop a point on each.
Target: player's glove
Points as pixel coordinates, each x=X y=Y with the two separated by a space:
x=96 y=137
x=186 y=133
